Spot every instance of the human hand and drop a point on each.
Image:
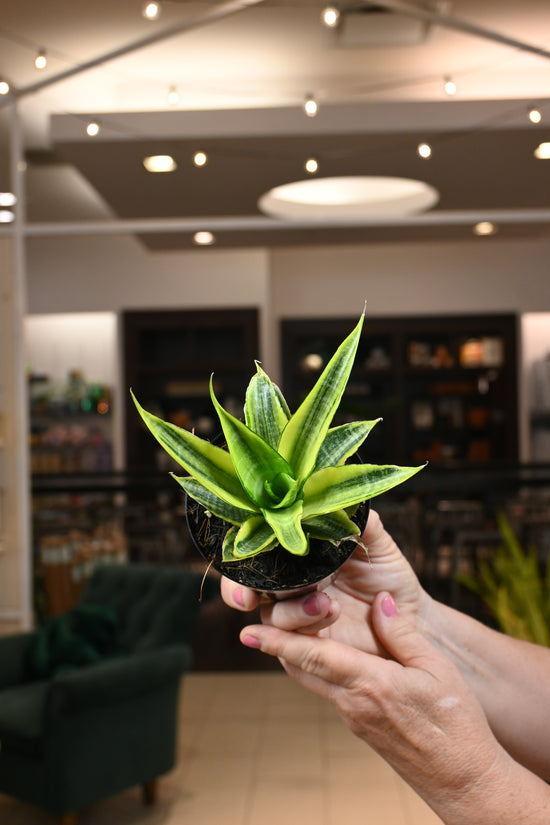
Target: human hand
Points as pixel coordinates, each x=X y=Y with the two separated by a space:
x=341 y=611
x=413 y=707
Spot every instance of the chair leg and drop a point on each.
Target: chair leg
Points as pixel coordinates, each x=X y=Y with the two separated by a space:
x=150 y=792
x=68 y=819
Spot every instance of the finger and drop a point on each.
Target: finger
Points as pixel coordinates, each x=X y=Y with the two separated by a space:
x=401 y=638
x=331 y=662
x=237 y=596
x=378 y=543
x=307 y=614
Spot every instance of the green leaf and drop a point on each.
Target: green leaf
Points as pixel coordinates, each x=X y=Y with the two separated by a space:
x=254 y=536
x=331 y=527
x=209 y=464
x=213 y=503
x=260 y=468
x=265 y=410
x=342 y=442
x=228 y=544
x=286 y=525
x=306 y=430
x=335 y=488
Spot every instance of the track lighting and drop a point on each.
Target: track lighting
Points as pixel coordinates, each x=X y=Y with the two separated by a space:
x=330 y=16
x=173 y=96
x=310 y=106
x=449 y=86
x=40 y=60
x=151 y=10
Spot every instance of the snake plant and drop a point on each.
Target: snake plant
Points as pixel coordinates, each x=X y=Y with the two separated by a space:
x=283 y=478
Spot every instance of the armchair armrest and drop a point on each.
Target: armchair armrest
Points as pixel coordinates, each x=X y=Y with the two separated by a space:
x=13 y=655
x=116 y=679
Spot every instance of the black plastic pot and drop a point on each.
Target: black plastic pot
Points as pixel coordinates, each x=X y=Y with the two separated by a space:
x=277 y=572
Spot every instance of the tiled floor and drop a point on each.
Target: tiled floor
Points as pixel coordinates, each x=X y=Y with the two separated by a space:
x=256 y=749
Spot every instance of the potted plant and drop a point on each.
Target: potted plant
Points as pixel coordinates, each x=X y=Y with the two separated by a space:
x=282 y=504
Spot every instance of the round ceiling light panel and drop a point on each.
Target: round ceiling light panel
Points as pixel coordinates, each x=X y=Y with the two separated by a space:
x=348 y=197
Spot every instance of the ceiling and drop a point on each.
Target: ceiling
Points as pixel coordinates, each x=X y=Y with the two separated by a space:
x=243 y=70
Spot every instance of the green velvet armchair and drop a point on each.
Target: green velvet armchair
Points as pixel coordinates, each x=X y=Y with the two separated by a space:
x=79 y=733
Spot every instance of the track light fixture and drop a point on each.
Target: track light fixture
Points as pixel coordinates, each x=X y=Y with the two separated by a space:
x=310 y=106
x=40 y=60
x=449 y=86
x=330 y=16
x=151 y=10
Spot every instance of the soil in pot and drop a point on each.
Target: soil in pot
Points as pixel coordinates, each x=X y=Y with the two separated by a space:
x=277 y=571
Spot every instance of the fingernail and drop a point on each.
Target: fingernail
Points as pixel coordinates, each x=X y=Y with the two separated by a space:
x=389 y=608
x=238 y=597
x=250 y=641
x=311 y=605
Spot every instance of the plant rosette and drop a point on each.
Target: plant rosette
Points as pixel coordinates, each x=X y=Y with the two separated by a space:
x=282 y=504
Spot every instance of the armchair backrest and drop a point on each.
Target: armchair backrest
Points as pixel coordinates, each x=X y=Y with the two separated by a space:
x=155 y=605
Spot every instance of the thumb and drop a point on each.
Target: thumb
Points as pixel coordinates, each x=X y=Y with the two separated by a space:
x=400 y=637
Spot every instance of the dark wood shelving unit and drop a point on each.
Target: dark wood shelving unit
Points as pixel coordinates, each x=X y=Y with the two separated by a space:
x=446 y=387
x=169 y=356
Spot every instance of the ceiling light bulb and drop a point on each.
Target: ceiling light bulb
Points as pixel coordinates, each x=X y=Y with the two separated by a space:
x=200 y=158
x=4 y=87
x=424 y=150
x=151 y=11
x=330 y=16
x=450 y=87
x=7 y=199
x=160 y=163
x=485 y=228
x=92 y=129
x=173 y=96
x=311 y=166
x=535 y=115
x=204 y=238
x=40 y=60
x=542 y=152
x=310 y=106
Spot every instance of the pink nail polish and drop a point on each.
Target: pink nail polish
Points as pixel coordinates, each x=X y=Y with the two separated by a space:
x=238 y=597
x=311 y=605
x=250 y=641
x=389 y=608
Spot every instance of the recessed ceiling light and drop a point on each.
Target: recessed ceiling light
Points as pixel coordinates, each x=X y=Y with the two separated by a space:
x=348 y=197
x=6 y=216
x=160 y=163
x=200 y=158
x=424 y=150
x=310 y=106
x=40 y=60
x=534 y=115
x=542 y=152
x=203 y=238
x=173 y=96
x=485 y=228
x=7 y=199
x=4 y=87
x=449 y=86
x=92 y=129
x=311 y=166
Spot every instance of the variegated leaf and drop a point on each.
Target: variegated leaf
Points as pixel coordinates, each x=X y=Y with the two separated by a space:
x=342 y=442
x=306 y=430
x=209 y=464
x=286 y=524
x=331 y=527
x=265 y=410
x=254 y=536
x=264 y=474
x=335 y=488
x=214 y=504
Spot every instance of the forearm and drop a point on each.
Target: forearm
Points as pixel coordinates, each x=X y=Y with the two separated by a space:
x=509 y=677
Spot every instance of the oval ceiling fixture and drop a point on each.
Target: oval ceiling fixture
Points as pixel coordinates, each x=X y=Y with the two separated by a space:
x=348 y=197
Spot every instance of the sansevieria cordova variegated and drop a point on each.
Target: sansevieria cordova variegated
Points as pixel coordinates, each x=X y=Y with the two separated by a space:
x=283 y=478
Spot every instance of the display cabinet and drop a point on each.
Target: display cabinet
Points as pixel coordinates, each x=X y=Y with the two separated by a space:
x=169 y=356
x=445 y=386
